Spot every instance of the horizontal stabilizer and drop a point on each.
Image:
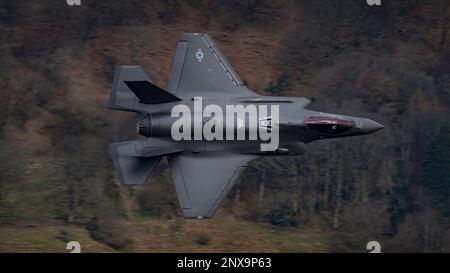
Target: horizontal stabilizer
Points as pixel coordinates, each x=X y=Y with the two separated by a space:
x=135 y=161
x=134 y=171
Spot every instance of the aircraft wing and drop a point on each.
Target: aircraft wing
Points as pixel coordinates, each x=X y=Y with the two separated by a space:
x=203 y=181
x=199 y=66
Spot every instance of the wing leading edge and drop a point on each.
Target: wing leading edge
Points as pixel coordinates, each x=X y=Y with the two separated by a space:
x=203 y=181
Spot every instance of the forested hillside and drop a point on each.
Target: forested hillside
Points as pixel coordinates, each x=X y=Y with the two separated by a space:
x=390 y=63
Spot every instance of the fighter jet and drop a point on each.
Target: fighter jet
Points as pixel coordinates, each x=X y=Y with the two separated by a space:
x=205 y=166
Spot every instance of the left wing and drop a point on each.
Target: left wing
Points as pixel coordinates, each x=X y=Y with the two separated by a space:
x=199 y=66
x=203 y=181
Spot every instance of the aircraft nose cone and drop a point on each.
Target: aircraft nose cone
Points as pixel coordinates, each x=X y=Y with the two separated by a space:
x=370 y=126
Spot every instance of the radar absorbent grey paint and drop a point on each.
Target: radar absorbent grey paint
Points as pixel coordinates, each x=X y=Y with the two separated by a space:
x=204 y=170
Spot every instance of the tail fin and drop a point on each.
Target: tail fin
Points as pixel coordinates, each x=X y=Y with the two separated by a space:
x=150 y=93
x=131 y=84
x=136 y=160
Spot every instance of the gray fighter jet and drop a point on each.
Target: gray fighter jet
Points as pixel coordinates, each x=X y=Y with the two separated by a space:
x=204 y=170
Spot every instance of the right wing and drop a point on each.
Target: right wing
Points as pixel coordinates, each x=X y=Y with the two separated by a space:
x=199 y=66
x=203 y=180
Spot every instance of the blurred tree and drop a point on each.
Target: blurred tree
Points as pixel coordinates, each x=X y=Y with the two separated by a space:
x=436 y=170
x=400 y=198
x=235 y=13
x=107 y=227
x=283 y=84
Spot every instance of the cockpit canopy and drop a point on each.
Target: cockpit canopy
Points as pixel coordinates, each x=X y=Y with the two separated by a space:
x=329 y=125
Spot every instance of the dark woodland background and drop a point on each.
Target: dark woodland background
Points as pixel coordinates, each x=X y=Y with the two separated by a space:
x=390 y=63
